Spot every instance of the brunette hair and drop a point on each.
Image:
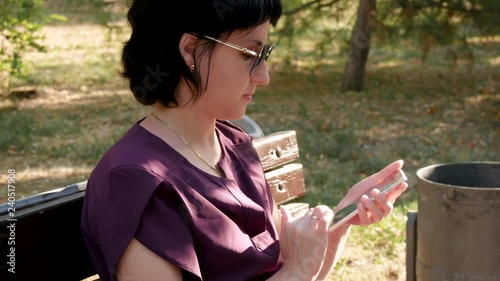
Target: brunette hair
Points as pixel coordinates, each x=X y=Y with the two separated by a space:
x=151 y=59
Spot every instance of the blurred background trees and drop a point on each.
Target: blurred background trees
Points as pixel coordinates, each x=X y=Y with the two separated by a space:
x=309 y=32
x=419 y=24
x=20 y=20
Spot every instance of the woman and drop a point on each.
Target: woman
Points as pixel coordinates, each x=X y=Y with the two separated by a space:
x=182 y=195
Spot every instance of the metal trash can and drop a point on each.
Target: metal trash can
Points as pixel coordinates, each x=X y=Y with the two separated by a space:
x=458 y=225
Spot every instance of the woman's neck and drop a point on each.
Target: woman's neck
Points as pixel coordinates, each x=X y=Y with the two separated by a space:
x=189 y=133
x=198 y=130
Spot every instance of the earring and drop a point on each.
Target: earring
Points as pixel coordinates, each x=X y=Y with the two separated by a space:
x=191 y=67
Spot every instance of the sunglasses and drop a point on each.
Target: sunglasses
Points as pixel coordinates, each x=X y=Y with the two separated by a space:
x=262 y=55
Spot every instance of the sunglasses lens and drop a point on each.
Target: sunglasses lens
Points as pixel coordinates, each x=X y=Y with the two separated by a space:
x=267 y=51
x=264 y=53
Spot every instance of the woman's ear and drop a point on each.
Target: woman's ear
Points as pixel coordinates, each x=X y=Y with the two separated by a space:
x=187 y=46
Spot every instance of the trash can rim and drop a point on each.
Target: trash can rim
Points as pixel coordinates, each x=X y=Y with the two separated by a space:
x=423 y=169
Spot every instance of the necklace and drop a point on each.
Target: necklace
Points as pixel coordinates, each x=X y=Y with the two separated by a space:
x=213 y=167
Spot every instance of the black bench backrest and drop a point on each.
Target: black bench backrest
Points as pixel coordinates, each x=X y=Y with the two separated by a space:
x=48 y=244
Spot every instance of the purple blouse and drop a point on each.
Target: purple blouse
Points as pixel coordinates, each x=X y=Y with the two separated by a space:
x=212 y=228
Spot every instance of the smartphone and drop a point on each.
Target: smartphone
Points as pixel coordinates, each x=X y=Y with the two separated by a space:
x=348 y=212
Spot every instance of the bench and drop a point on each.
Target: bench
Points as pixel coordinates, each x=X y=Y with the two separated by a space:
x=48 y=242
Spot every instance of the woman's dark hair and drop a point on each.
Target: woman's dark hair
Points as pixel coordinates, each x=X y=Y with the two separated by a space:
x=151 y=58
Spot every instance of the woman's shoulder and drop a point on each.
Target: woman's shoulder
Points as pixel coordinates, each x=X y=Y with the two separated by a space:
x=138 y=150
x=232 y=132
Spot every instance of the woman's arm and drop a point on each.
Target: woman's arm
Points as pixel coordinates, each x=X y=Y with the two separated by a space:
x=336 y=244
x=138 y=263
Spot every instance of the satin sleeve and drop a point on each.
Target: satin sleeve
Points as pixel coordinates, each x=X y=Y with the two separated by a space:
x=134 y=202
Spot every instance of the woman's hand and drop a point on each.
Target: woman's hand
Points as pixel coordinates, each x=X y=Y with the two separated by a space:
x=373 y=211
x=304 y=241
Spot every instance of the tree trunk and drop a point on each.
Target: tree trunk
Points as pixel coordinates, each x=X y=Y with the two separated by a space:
x=354 y=71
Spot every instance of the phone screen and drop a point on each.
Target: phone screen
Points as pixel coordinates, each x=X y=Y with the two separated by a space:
x=343 y=216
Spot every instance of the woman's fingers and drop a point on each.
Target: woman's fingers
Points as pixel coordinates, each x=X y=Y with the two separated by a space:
x=315 y=215
x=396 y=192
x=390 y=169
x=314 y=219
x=318 y=217
x=324 y=221
x=363 y=215
x=285 y=215
x=376 y=214
x=304 y=239
x=372 y=211
x=383 y=203
x=384 y=173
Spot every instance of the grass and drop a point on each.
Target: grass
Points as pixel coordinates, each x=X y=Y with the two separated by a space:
x=422 y=114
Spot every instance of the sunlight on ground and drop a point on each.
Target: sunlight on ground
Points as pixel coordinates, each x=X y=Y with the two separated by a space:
x=484 y=40
x=388 y=64
x=46 y=172
x=478 y=99
x=494 y=61
x=55 y=99
x=77 y=36
x=49 y=172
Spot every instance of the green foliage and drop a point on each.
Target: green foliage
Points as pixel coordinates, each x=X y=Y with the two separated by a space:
x=423 y=23
x=430 y=23
x=19 y=22
x=315 y=22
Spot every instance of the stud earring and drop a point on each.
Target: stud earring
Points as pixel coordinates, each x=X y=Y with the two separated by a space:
x=191 y=67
